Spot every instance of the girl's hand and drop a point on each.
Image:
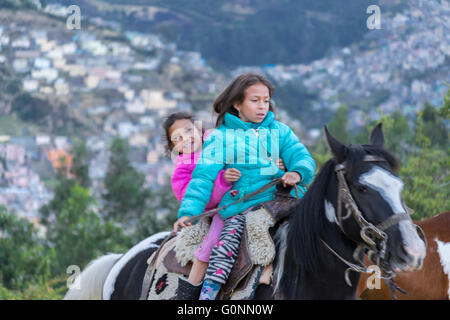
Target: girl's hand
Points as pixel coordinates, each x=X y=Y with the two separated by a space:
x=232 y=175
x=291 y=178
x=280 y=164
x=180 y=223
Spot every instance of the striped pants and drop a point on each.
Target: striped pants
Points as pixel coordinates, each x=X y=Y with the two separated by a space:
x=224 y=253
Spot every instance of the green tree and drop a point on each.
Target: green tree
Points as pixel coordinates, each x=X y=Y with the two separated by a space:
x=80 y=164
x=338 y=126
x=53 y=289
x=125 y=195
x=80 y=171
x=426 y=172
x=433 y=126
x=29 y=108
x=160 y=213
x=426 y=177
x=444 y=111
x=296 y=99
x=320 y=152
x=423 y=150
x=62 y=189
x=78 y=234
x=22 y=254
x=398 y=134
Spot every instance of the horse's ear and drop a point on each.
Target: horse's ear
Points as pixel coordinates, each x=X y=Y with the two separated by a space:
x=337 y=148
x=377 y=137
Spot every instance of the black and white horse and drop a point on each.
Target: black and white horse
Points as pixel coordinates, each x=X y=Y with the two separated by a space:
x=303 y=267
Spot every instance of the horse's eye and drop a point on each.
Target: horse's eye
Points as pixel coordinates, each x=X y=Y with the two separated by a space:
x=362 y=189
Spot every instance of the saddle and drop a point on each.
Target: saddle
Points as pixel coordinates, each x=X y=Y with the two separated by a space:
x=240 y=270
x=279 y=209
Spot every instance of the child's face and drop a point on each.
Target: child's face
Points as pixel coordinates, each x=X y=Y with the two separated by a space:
x=256 y=103
x=185 y=137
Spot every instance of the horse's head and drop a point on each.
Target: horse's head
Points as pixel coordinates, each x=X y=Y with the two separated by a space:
x=368 y=171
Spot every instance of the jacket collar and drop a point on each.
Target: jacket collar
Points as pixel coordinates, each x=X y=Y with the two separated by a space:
x=187 y=159
x=234 y=122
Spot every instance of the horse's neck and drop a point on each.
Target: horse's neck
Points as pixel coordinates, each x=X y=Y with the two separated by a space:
x=331 y=274
x=332 y=271
x=325 y=279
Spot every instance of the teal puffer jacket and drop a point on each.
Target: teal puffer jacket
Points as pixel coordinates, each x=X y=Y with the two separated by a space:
x=252 y=148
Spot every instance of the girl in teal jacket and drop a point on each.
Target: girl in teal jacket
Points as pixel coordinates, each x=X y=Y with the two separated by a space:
x=249 y=139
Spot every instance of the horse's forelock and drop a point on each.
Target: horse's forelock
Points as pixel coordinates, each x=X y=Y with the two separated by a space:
x=383 y=153
x=356 y=154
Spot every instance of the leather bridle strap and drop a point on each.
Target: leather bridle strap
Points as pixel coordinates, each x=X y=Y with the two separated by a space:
x=368 y=231
x=393 y=220
x=345 y=197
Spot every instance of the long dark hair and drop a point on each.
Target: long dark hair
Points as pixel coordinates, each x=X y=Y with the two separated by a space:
x=235 y=93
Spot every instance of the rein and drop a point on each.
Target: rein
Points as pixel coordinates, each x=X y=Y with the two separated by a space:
x=374 y=236
x=254 y=193
x=151 y=264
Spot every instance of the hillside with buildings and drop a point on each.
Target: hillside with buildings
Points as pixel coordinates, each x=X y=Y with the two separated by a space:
x=95 y=83
x=105 y=81
x=399 y=67
x=244 y=32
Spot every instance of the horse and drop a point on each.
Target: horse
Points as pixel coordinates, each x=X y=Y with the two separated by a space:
x=316 y=244
x=432 y=282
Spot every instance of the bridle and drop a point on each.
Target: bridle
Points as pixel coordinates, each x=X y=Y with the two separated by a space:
x=374 y=237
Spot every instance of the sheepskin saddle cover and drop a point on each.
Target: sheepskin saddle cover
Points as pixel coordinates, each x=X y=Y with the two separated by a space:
x=260 y=245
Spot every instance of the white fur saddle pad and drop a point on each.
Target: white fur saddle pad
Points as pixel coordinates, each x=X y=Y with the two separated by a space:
x=260 y=244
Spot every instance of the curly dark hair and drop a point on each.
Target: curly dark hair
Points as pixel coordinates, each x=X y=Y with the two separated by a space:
x=168 y=122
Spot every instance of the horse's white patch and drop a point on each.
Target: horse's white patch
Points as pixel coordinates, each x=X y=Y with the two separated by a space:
x=444 y=254
x=108 y=287
x=388 y=185
x=390 y=188
x=330 y=212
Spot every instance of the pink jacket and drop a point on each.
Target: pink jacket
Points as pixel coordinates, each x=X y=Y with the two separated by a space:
x=182 y=175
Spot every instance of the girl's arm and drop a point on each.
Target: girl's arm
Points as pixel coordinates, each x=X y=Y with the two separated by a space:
x=295 y=155
x=201 y=185
x=180 y=180
x=221 y=186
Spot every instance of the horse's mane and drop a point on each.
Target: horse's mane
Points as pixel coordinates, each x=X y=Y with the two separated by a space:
x=308 y=223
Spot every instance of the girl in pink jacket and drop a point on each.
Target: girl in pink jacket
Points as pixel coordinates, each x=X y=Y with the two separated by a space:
x=186 y=140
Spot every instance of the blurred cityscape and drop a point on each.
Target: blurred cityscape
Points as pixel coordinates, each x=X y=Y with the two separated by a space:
x=116 y=82
x=401 y=66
